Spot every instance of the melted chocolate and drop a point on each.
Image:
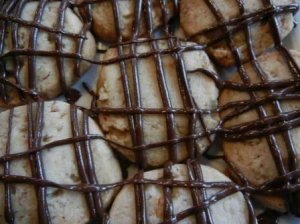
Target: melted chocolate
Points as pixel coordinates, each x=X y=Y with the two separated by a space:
x=286 y=184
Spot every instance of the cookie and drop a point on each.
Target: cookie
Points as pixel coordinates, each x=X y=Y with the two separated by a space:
x=253 y=155
x=105 y=21
x=48 y=73
x=262 y=32
x=179 y=91
x=59 y=163
x=230 y=209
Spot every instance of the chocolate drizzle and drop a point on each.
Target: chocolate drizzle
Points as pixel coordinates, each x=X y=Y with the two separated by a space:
x=282 y=122
x=10 y=18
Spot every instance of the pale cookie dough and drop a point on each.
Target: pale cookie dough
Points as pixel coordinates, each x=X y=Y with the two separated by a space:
x=231 y=209
x=196 y=16
x=253 y=157
x=104 y=21
x=59 y=163
x=46 y=68
x=201 y=88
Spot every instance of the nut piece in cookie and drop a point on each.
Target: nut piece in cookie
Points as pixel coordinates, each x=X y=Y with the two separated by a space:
x=167 y=90
x=39 y=54
x=260 y=133
x=203 y=20
x=105 y=21
x=55 y=124
x=230 y=209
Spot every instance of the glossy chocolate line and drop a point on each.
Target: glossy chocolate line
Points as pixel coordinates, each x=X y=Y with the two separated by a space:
x=32 y=44
x=225 y=84
x=199 y=195
x=138 y=118
x=162 y=84
x=35 y=127
x=15 y=20
x=58 y=44
x=30 y=52
x=140 y=200
x=17 y=62
x=99 y=206
x=141 y=40
x=244 y=106
x=85 y=28
x=267 y=188
x=81 y=160
x=168 y=203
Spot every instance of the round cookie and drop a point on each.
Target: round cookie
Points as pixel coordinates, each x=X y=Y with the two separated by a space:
x=192 y=13
x=104 y=22
x=253 y=157
x=59 y=164
x=201 y=89
x=231 y=209
x=48 y=78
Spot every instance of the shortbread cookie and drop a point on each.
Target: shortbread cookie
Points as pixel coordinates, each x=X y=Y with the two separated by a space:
x=253 y=156
x=59 y=163
x=45 y=74
x=230 y=209
x=105 y=22
x=197 y=16
x=201 y=90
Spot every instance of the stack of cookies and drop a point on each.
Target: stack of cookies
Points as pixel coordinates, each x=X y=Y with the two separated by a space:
x=178 y=83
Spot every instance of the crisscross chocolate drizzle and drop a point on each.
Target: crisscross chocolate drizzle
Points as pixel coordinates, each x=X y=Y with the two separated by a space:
x=287 y=184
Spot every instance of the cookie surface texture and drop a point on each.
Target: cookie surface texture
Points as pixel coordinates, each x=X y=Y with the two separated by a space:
x=230 y=209
x=198 y=16
x=46 y=72
x=105 y=22
x=158 y=89
x=60 y=164
x=254 y=156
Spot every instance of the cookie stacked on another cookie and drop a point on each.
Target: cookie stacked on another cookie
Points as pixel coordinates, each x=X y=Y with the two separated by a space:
x=43 y=50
